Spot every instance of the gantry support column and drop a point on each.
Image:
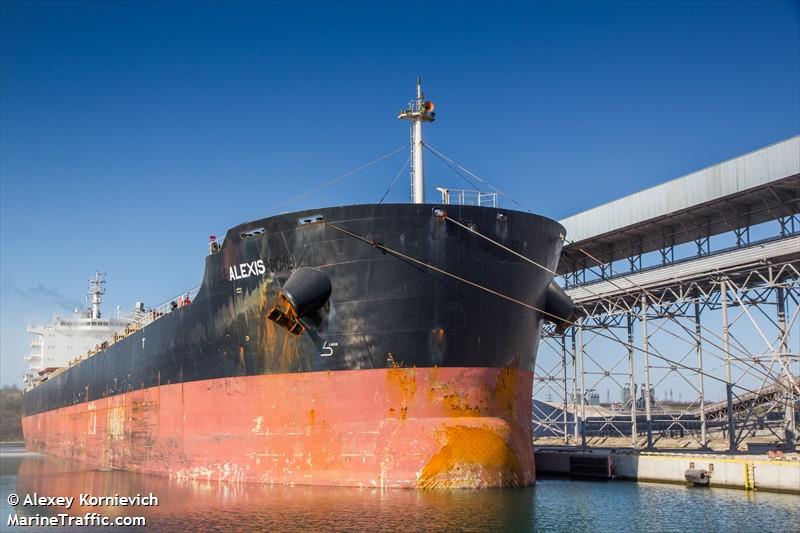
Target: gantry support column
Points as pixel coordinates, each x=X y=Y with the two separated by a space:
x=700 y=381
x=574 y=387
x=646 y=352
x=566 y=397
x=583 y=382
x=726 y=347
x=631 y=380
x=790 y=425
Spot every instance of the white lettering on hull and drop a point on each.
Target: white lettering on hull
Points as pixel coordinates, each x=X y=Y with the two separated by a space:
x=245 y=270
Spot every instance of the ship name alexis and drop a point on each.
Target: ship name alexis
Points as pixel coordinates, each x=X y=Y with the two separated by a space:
x=245 y=270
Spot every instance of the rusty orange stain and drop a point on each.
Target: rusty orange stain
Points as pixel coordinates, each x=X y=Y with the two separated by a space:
x=404 y=381
x=505 y=388
x=460 y=406
x=472 y=457
x=404 y=378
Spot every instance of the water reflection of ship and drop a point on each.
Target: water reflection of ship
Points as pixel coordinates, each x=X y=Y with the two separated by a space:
x=39 y=474
x=189 y=506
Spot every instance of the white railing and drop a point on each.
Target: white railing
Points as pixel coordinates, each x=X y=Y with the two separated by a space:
x=468 y=197
x=142 y=317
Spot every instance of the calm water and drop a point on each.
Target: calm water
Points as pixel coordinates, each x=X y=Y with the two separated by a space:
x=552 y=505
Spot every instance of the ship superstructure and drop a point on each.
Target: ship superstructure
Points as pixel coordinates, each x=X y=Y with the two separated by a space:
x=69 y=338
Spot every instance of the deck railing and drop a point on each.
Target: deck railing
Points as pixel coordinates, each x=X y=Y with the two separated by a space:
x=141 y=317
x=468 y=197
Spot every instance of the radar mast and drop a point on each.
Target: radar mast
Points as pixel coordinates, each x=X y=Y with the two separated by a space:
x=97 y=288
x=417 y=112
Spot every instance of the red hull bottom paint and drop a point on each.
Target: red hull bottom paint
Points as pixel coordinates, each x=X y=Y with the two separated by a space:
x=400 y=427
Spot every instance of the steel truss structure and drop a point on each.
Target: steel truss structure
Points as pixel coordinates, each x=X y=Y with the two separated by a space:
x=719 y=325
x=690 y=286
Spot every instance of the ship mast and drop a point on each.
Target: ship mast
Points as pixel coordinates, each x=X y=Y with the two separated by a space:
x=417 y=112
x=96 y=290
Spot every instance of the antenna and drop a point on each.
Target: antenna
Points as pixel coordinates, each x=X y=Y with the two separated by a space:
x=97 y=288
x=417 y=112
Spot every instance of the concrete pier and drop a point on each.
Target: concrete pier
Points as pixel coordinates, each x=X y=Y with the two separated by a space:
x=736 y=471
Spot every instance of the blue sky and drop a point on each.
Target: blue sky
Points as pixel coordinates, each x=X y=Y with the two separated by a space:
x=129 y=132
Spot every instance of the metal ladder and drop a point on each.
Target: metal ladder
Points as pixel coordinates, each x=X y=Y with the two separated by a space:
x=749 y=477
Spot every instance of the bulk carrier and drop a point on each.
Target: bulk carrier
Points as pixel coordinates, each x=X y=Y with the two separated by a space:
x=367 y=345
